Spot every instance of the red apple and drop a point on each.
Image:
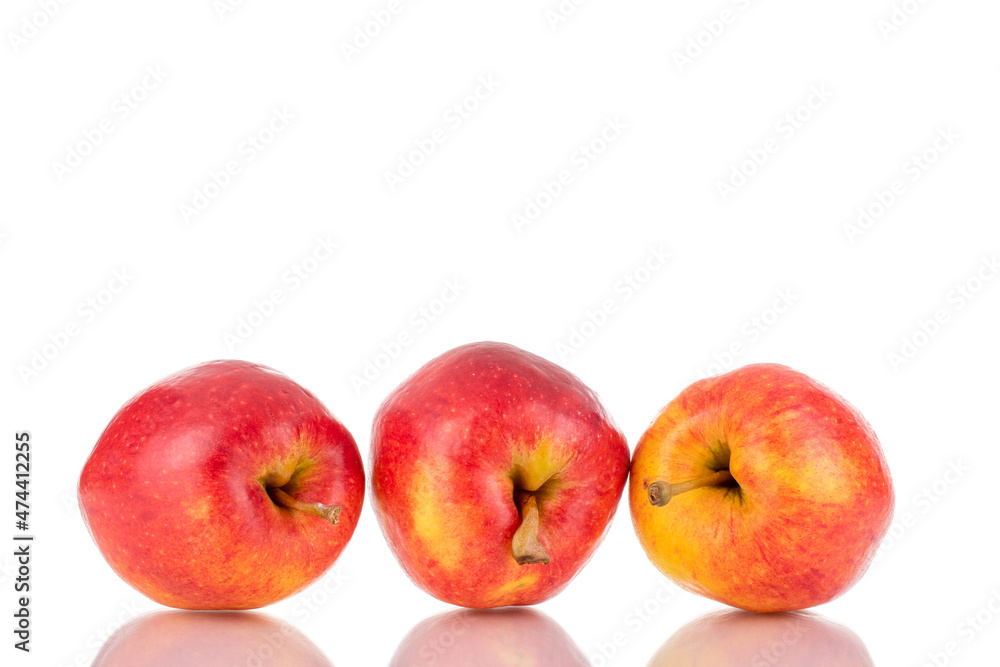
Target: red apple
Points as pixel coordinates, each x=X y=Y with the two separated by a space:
x=740 y=639
x=208 y=639
x=495 y=474
x=225 y=486
x=488 y=638
x=762 y=489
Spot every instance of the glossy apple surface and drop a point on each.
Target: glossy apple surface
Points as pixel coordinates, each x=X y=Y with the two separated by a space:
x=742 y=639
x=516 y=637
x=495 y=474
x=776 y=490
x=217 y=488
x=208 y=639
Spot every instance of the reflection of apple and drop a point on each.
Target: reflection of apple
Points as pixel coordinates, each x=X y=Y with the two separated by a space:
x=778 y=490
x=495 y=474
x=208 y=639
x=488 y=638
x=739 y=639
x=213 y=488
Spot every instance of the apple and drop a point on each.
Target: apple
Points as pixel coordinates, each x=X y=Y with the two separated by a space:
x=224 y=486
x=762 y=489
x=741 y=639
x=495 y=474
x=512 y=637
x=208 y=639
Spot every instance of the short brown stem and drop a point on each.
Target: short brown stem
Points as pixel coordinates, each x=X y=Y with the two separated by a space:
x=329 y=512
x=661 y=492
x=525 y=546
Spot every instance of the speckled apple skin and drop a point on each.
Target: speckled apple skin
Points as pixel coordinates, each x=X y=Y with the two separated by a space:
x=172 y=495
x=444 y=446
x=817 y=497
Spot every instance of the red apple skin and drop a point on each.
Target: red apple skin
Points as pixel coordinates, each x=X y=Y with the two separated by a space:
x=173 y=493
x=208 y=639
x=447 y=446
x=815 y=496
x=741 y=639
x=512 y=637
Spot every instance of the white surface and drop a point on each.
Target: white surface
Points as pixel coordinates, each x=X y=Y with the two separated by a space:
x=654 y=187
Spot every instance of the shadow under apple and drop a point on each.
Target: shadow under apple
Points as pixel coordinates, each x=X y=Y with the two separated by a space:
x=790 y=639
x=488 y=638
x=209 y=638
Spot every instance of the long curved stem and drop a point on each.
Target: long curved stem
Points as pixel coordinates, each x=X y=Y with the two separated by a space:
x=661 y=492
x=329 y=512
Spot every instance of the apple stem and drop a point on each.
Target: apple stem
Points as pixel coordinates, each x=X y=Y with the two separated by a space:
x=661 y=492
x=525 y=546
x=329 y=512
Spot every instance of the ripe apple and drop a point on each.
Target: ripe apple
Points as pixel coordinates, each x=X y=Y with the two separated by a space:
x=225 y=486
x=512 y=637
x=495 y=474
x=198 y=639
x=762 y=489
x=738 y=638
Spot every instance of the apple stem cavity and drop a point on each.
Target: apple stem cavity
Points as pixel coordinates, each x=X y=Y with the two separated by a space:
x=525 y=546
x=661 y=492
x=329 y=512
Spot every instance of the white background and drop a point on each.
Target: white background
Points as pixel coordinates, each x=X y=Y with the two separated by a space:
x=684 y=128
